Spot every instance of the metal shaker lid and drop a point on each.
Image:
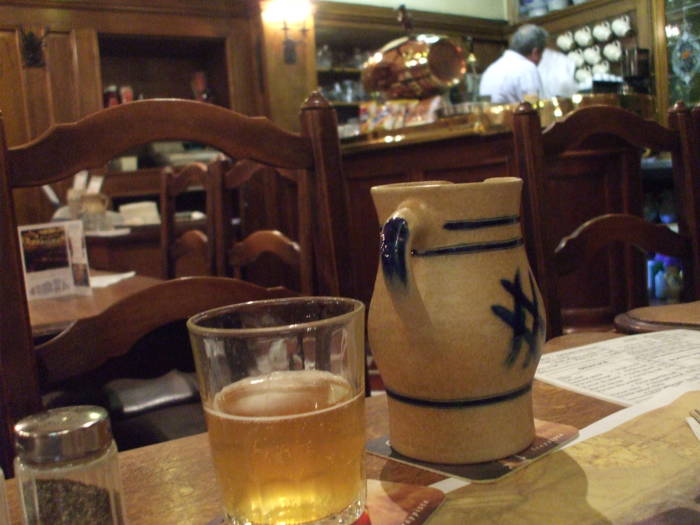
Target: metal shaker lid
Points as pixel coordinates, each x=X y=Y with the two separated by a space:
x=63 y=434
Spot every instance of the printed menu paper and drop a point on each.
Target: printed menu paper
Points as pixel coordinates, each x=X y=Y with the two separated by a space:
x=626 y=370
x=54 y=256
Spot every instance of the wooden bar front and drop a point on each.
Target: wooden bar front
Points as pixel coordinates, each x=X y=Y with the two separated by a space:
x=467 y=157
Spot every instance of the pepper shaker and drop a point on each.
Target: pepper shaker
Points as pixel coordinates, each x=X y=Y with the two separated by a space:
x=67 y=468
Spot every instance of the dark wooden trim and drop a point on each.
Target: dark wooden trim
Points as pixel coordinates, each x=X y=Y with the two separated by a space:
x=170 y=7
x=364 y=16
x=122 y=22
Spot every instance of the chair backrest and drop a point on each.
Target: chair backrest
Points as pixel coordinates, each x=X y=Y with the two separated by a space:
x=92 y=141
x=193 y=242
x=589 y=165
x=585 y=243
x=114 y=332
x=238 y=245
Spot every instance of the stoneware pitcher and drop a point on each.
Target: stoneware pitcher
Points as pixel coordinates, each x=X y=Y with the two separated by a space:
x=456 y=322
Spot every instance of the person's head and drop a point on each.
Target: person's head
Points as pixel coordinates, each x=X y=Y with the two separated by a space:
x=529 y=40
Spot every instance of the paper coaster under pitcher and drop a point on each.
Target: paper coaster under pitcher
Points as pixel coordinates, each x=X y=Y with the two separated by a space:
x=549 y=437
x=456 y=321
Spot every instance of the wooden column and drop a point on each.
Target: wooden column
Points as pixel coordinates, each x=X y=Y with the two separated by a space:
x=288 y=84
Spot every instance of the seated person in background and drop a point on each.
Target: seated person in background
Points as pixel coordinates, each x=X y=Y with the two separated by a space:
x=514 y=74
x=557 y=74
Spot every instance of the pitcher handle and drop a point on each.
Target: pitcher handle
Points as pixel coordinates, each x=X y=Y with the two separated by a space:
x=398 y=236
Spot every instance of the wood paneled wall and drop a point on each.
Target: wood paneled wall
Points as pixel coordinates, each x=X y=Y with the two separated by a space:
x=69 y=84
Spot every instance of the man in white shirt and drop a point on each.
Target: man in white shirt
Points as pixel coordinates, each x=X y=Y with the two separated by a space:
x=557 y=74
x=515 y=75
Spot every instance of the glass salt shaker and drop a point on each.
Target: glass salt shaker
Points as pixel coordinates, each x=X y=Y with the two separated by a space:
x=67 y=468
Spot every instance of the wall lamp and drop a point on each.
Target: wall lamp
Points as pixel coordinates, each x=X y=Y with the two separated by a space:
x=289 y=16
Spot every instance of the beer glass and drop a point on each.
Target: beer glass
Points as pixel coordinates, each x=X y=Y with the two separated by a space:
x=282 y=385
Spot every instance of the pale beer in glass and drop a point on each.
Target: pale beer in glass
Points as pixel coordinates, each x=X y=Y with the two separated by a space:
x=283 y=393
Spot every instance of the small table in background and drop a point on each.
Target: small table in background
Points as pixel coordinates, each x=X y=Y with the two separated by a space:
x=662 y=317
x=50 y=316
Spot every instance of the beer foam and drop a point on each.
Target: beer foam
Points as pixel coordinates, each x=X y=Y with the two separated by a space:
x=282 y=394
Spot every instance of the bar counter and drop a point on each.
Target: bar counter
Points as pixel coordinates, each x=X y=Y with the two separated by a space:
x=483 y=118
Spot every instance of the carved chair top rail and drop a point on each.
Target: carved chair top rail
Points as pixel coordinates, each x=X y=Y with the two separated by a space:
x=590 y=121
x=57 y=153
x=194 y=294
x=584 y=243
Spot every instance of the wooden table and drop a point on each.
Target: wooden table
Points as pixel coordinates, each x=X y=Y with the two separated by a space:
x=662 y=317
x=49 y=316
x=174 y=483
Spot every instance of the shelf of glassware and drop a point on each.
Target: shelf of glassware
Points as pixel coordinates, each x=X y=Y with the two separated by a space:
x=342 y=87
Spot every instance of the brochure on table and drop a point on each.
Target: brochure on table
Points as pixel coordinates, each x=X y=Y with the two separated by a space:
x=626 y=370
x=54 y=257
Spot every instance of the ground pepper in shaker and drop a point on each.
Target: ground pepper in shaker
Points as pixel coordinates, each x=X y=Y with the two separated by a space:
x=67 y=468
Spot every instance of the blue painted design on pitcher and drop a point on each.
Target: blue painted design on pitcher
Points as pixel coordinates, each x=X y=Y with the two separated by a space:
x=458 y=249
x=476 y=224
x=517 y=320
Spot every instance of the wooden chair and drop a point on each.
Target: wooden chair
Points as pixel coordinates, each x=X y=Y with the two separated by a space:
x=252 y=185
x=135 y=341
x=193 y=243
x=600 y=147
x=92 y=141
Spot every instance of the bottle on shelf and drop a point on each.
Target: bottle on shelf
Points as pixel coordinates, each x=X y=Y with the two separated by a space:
x=126 y=94
x=200 y=87
x=110 y=96
x=324 y=57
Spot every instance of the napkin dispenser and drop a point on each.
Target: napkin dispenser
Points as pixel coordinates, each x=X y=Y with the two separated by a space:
x=140 y=213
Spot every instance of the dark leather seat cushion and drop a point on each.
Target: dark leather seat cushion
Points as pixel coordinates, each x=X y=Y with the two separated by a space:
x=159 y=425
